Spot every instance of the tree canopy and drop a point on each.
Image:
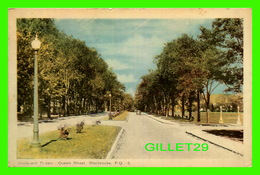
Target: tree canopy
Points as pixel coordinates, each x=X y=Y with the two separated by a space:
x=188 y=66
x=73 y=78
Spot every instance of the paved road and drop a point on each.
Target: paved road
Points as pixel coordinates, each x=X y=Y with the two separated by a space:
x=137 y=132
x=140 y=130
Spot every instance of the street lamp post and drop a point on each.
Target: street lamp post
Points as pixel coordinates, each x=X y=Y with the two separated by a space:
x=36 y=44
x=110 y=105
x=238 y=116
x=221 y=119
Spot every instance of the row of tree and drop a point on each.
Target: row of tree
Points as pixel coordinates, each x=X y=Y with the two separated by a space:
x=73 y=78
x=188 y=69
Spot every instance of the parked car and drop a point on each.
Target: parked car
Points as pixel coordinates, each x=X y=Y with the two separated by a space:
x=138 y=112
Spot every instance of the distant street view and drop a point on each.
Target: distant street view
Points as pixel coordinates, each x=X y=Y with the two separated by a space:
x=105 y=88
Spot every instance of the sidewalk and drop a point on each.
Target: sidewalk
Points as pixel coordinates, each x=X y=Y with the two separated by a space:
x=24 y=129
x=196 y=130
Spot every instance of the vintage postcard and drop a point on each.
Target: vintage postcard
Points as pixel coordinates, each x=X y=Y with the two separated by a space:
x=130 y=87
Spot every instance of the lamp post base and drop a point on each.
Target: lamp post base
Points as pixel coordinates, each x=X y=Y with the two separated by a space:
x=239 y=121
x=35 y=145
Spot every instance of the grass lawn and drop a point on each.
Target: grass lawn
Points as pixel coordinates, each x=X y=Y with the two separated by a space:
x=236 y=135
x=228 y=117
x=94 y=142
x=120 y=117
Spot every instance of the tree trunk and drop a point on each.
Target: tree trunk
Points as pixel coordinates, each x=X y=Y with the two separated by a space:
x=84 y=105
x=68 y=107
x=54 y=107
x=60 y=108
x=190 y=108
x=207 y=107
x=166 y=110
x=89 y=106
x=198 y=104
x=96 y=105
x=155 y=105
x=173 y=110
x=49 y=109
x=40 y=111
x=64 y=105
x=182 y=106
x=173 y=105
x=81 y=106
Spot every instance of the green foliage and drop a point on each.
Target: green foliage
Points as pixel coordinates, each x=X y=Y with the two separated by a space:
x=73 y=78
x=227 y=35
x=188 y=66
x=147 y=90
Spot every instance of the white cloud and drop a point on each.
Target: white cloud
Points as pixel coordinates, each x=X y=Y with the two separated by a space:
x=129 y=46
x=138 y=48
x=142 y=47
x=117 y=65
x=126 y=78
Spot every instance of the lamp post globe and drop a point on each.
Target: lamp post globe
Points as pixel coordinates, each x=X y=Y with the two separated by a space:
x=36 y=44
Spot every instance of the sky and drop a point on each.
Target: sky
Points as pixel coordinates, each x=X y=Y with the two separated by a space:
x=129 y=46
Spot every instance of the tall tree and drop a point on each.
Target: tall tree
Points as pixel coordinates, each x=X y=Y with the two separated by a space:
x=177 y=63
x=73 y=78
x=227 y=34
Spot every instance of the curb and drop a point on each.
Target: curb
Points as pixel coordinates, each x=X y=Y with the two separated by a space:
x=113 y=148
x=127 y=117
x=199 y=137
x=206 y=140
x=172 y=123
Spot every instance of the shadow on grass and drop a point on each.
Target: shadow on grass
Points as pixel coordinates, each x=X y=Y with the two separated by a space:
x=236 y=135
x=54 y=141
x=82 y=132
x=49 y=143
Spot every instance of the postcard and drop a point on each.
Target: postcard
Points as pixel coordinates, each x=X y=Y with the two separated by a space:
x=122 y=87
